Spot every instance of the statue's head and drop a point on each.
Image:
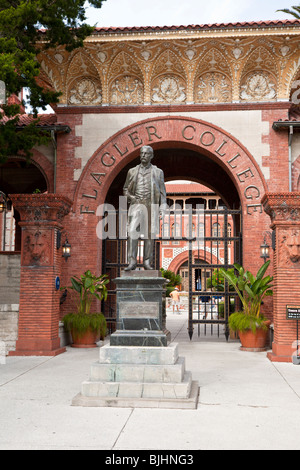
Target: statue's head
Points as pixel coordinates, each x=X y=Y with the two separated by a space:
x=146 y=154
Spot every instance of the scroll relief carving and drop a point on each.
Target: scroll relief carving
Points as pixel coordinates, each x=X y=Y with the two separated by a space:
x=213 y=87
x=127 y=90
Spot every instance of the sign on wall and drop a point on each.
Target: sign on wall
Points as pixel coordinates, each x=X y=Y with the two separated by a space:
x=293 y=312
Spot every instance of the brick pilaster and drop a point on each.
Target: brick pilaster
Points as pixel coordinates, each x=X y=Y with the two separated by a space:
x=284 y=210
x=41 y=219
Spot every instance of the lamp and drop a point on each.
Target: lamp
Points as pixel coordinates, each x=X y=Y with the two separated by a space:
x=66 y=250
x=2 y=202
x=265 y=250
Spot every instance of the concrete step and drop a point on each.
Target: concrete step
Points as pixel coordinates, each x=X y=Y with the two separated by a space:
x=138 y=372
x=138 y=389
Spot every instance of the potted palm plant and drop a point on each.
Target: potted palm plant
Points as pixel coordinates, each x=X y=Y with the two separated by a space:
x=87 y=327
x=251 y=324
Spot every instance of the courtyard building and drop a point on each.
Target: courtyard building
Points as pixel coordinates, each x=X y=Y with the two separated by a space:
x=219 y=104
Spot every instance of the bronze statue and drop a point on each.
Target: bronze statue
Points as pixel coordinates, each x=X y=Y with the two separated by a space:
x=146 y=192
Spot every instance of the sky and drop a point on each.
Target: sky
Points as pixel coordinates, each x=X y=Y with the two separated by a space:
x=185 y=12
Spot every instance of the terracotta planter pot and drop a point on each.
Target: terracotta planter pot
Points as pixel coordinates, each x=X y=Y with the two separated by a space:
x=85 y=340
x=255 y=342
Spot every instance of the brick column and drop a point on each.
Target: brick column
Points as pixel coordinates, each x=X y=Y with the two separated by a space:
x=41 y=219
x=284 y=210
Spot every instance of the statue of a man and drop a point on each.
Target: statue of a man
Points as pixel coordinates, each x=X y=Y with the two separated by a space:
x=146 y=192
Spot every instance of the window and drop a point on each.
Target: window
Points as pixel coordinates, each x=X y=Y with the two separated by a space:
x=216 y=230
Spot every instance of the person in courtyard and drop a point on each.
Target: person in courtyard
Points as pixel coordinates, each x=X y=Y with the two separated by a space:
x=175 y=299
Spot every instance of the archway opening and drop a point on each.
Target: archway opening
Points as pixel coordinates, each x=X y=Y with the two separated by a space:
x=191 y=178
x=184 y=164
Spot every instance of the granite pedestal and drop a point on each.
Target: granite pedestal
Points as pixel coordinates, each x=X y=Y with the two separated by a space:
x=138 y=368
x=141 y=300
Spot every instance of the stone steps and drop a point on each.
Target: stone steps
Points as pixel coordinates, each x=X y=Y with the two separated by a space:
x=133 y=389
x=130 y=376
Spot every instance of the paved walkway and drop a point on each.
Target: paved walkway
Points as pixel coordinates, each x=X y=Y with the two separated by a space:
x=246 y=402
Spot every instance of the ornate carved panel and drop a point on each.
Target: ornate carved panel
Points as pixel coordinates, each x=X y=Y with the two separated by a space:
x=214 y=83
x=168 y=89
x=259 y=82
x=83 y=83
x=86 y=91
x=126 y=90
x=168 y=83
x=212 y=87
x=175 y=70
x=258 y=86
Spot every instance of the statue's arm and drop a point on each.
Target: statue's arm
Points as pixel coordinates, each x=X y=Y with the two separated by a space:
x=163 y=193
x=126 y=191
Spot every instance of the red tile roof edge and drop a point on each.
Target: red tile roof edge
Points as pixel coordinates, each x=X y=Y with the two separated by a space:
x=208 y=26
x=45 y=120
x=236 y=25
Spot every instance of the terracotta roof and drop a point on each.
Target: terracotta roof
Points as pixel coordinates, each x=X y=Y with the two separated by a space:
x=203 y=27
x=46 y=121
x=187 y=188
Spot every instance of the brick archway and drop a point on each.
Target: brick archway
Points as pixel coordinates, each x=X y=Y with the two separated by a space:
x=179 y=132
x=178 y=261
x=165 y=132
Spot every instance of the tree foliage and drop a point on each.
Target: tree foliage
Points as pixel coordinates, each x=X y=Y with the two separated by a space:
x=174 y=280
x=294 y=12
x=27 y=27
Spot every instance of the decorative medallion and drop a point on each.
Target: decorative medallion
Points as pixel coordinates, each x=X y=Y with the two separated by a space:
x=169 y=89
x=258 y=86
x=85 y=92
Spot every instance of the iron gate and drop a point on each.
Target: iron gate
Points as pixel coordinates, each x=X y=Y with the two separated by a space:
x=212 y=240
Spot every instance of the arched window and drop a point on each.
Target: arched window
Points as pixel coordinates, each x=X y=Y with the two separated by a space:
x=216 y=230
x=200 y=231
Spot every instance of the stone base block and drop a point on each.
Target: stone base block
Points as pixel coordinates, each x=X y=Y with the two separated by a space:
x=138 y=372
x=139 y=376
x=138 y=338
x=138 y=355
x=189 y=403
x=138 y=389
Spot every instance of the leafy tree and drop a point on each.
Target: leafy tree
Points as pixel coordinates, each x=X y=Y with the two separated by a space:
x=174 y=280
x=26 y=27
x=294 y=12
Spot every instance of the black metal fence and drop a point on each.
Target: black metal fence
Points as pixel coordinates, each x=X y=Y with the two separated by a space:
x=212 y=240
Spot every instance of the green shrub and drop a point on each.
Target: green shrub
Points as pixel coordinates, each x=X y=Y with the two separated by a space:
x=238 y=321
